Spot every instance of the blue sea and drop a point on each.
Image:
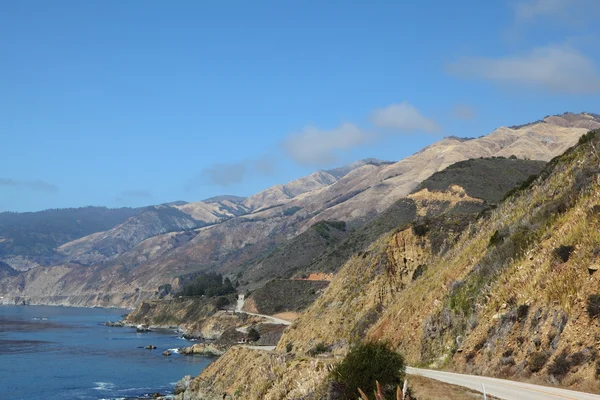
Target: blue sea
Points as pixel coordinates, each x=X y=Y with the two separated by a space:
x=56 y=353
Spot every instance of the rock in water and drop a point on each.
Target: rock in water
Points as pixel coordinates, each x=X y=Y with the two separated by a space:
x=202 y=349
x=166 y=353
x=142 y=328
x=150 y=347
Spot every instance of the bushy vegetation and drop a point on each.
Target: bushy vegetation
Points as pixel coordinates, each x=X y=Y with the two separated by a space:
x=291 y=211
x=593 y=306
x=537 y=361
x=253 y=335
x=588 y=136
x=323 y=228
x=563 y=253
x=222 y=302
x=562 y=364
x=320 y=348
x=365 y=364
x=475 y=175
x=208 y=284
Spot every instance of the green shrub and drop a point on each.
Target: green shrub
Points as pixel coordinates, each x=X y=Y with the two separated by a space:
x=253 y=335
x=420 y=229
x=208 y=284
x=496 y=238
x=365 y=364
x=563 y=252
x=587 y=137
x=289 y=347
x=319 y=349
x=537 y=361
x=222 y=302
x=291 y=211
x=522 y=312
x=593 y=306
x=560 y=366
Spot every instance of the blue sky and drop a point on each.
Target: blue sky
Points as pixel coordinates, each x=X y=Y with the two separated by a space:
x=141 y=102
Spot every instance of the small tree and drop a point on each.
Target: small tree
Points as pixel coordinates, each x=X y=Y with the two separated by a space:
x=253 y=335
x=222 y=302
x=365 y=365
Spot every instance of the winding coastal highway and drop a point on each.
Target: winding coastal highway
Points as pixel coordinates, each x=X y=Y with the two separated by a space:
x=274 y=320
x=504 y=389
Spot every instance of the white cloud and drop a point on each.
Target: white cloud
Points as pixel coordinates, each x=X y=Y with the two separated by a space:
x=403 y=117
x=463 y=111
x=314 y=146
x=557 y=69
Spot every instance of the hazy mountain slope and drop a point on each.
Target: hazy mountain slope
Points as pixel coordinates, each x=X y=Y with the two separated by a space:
x=35 y=235
x=103 y=246
x=213 y=211
x=511 y=298
x=6 y=270
x=279 y=194
x=538 y=141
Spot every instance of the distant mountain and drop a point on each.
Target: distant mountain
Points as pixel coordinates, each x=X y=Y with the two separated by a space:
x=103 y=246
x=35 y=235
x=216 y=199
x=6 y=270
x=343 y=171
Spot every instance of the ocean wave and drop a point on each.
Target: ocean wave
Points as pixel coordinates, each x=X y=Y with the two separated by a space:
x=176 y=351
x=104 y=385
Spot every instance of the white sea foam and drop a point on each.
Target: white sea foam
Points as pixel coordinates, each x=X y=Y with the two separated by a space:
x=176 y=351
x=104 y=385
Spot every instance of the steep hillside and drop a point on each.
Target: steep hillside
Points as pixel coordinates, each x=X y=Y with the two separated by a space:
x=484 y=179
x=488 y=179
x=516 y=295
x=379 y=188
x=34 y=236
x=294 y=255
x=215 y=210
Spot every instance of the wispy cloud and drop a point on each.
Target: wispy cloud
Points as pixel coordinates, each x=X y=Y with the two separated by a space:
x=37 y=184
x=319 y=147
x=403 y=118
x=228 y=174
x=528 y=10
x=559 y=69
x=314 y=146
x=463 y=111
x=581 y=10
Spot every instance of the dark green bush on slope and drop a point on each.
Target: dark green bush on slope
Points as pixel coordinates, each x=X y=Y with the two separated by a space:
x=208 y=284
x=365 y=364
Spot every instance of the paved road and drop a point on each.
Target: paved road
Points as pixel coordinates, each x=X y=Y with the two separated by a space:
x=504 y=389
x=240 y=305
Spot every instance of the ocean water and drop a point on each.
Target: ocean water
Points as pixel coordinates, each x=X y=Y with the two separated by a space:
x=56 y=353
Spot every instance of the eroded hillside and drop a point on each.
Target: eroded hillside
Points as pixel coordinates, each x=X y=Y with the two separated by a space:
x=515 y=295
